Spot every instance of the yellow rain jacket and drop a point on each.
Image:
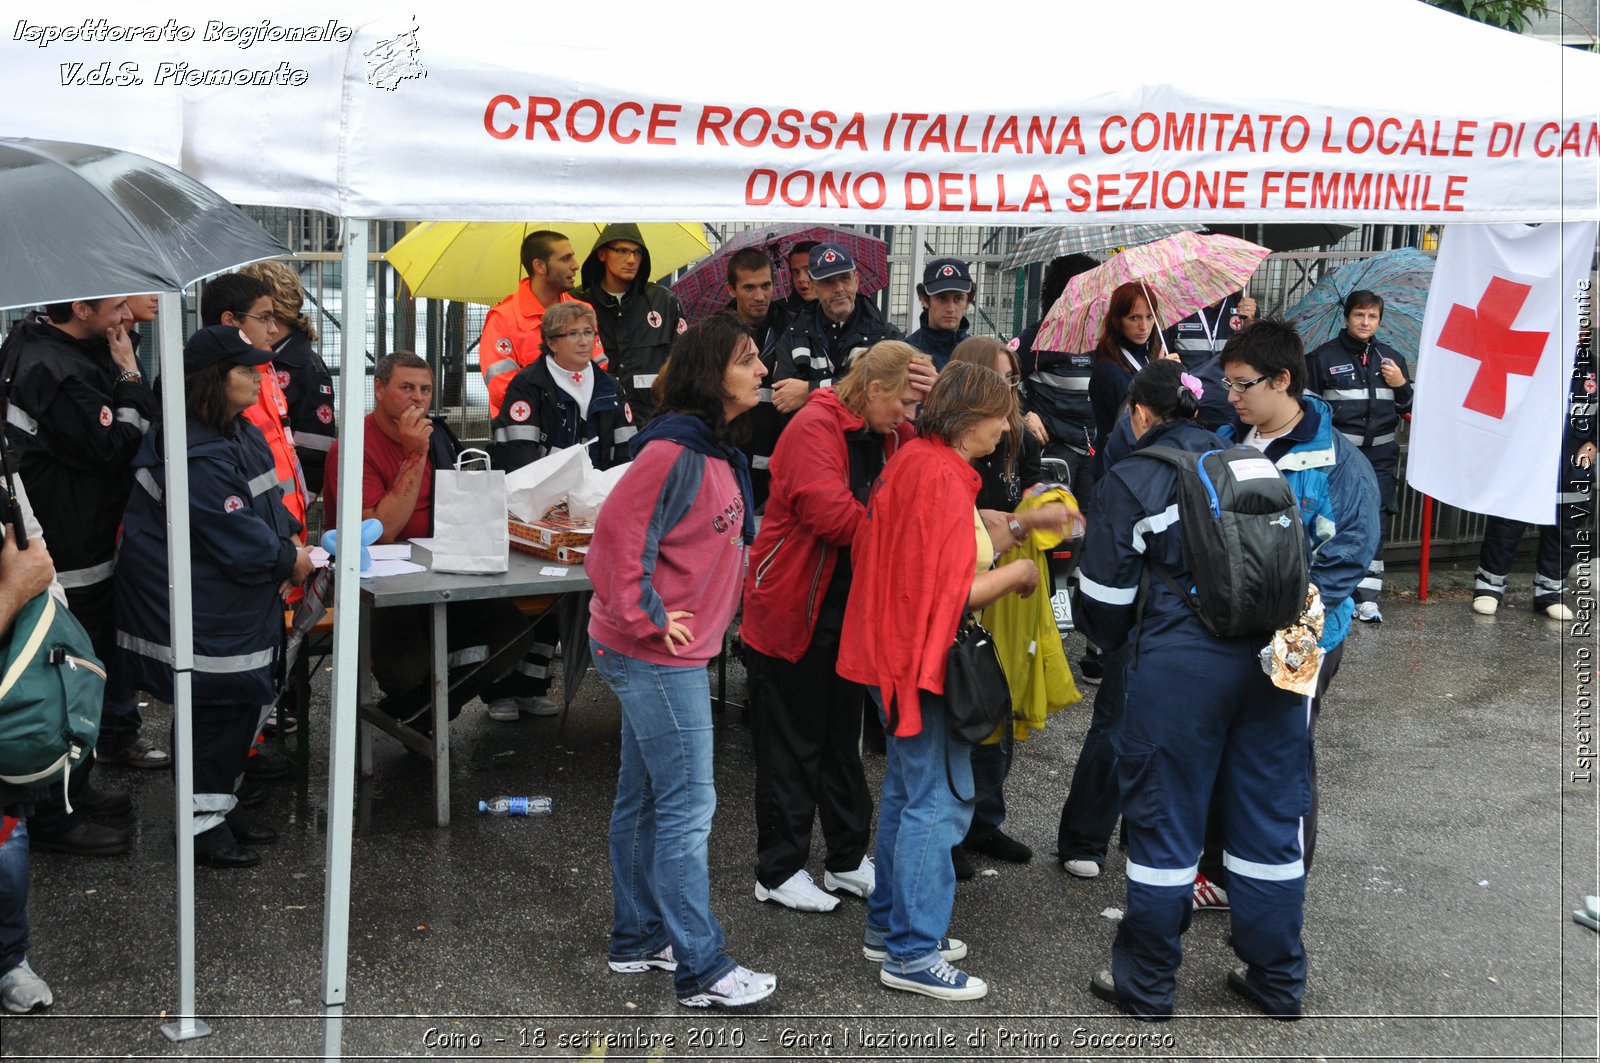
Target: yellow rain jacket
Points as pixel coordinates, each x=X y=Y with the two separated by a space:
x=1025 y=634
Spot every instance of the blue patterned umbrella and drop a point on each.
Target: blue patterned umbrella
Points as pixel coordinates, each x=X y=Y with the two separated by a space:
x=1401 y=277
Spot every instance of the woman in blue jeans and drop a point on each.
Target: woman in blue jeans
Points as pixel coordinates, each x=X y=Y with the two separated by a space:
x=923 y=558
x=667 y=562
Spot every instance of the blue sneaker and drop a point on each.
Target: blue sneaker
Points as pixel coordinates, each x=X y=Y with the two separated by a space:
x=951 y=949
x=941 y=980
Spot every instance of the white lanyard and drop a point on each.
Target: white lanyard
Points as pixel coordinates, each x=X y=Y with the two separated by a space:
x=1134 y=362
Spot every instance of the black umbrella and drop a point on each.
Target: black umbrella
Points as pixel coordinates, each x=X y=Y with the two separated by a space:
x=84 y=222
x=1286 y=236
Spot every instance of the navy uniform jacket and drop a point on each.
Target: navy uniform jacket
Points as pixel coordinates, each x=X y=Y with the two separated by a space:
x=1135 y=516
x=1202 y=335
x=242 y=539
x=1058 y=391
x=73 y=430
x=550 y=420
x=1348 y=375
x=308 y=389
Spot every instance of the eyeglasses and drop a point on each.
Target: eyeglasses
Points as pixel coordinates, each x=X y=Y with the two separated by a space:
x=1243 y=385
x=626 y=252
x=1014 y=380
x=584 y=334
x=265 y=320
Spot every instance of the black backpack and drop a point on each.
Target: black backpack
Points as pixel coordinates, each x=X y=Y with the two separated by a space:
x=1243 y=539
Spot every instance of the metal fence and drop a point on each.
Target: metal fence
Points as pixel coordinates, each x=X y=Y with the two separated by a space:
x=1005 y=301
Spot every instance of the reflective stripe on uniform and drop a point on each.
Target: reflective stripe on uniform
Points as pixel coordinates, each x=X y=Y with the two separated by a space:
x=1160 y=876
x=525 y=433
x=77 y=578
x=764 y=394
x=311 y=442
x=1570 y=497
x=1151 y=525
x=240 y=662
x=759 y=461
x=533 y=671
x=1377 y=441
x=129 y=415
x=1545 y=583
x=1488 y=581
x=469 y=655
x=1109 y=595
x=644 y=380
x=1065 y=383
x=500 y=368
x=1265 y=872
x=146 y=479
x=260 y=485
x=22 y=419
x=1345 y=394
x=622 y=435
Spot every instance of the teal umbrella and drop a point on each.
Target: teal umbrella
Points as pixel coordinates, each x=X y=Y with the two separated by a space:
x=1401 y=277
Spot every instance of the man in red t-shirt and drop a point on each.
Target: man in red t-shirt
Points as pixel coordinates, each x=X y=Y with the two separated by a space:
x=399 y=453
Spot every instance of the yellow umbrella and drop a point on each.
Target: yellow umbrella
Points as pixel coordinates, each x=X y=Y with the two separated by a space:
x=477 y=262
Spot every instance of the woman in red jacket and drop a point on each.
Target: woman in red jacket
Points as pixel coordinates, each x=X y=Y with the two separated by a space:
x=923 y=557
x=805 y=721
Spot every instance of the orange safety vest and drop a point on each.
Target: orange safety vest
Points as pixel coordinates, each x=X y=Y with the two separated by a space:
x=511 y=339
x=271 y=415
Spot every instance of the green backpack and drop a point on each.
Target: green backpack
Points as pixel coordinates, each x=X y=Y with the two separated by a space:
x=52 y=689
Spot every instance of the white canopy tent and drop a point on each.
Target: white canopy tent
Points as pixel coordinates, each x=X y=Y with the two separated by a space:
x=1164 y=111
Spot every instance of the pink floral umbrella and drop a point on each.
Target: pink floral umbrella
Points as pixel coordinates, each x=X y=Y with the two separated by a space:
x=1184 y=273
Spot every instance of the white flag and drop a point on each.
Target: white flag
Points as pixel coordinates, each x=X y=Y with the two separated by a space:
x=1495 y=365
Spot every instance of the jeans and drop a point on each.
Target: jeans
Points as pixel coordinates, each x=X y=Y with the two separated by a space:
x=919 y=821
x=1089 y=815
x=14 y=898
x=661 y=821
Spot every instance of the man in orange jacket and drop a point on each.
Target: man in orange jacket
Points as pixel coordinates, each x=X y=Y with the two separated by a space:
x=511 y=334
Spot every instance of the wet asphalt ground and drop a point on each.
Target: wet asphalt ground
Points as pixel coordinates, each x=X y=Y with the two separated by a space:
x=1456 y=839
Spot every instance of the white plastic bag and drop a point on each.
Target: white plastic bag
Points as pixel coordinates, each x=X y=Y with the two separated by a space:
x=533 y=489
x=469 y=518
x=583 y=501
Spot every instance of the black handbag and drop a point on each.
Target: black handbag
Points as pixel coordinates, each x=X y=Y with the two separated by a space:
x=976 y=695
x=977 y=698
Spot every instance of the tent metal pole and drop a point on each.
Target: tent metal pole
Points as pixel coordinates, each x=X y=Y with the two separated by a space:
x=179 y=582
x=346 y=618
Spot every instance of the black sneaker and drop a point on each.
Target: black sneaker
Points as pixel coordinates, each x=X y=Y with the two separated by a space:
x=99 y=803
x=963 y=863
x=1092 y=666
x=84 y=839
x=1001 y=846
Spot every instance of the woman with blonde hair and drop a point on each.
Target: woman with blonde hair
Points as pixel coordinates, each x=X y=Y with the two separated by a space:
x=805 y=721
x=302 y=375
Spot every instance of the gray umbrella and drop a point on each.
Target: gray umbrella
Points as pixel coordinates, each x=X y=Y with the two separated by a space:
x=1042 y=245
x=84 y=222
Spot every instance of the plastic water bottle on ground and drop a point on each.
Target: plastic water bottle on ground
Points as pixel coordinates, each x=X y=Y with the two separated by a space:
x=515 y=806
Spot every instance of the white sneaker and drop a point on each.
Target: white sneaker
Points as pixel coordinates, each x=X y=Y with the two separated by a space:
x=1208 y=896
x=799 y=893
x=507 y=710
x=859 y=882
x=1081 y=868
x=1485 y=605
x=735 y=989
x=22 y=991
x=1558 y=611
x=1367 y=612
x=656 y=961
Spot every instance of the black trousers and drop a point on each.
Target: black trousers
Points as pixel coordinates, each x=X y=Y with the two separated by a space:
x=1211 y=857
x=223 y=734
x=1559 y=547
x=806 y=729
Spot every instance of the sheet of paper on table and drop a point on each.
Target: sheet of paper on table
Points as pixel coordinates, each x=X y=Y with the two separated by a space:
x=390 y=552
x=424 y=542
x=552 y=570
x=392 y=567
x=320 y=557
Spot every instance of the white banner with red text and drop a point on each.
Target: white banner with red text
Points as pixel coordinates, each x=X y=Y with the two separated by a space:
x=459 y=112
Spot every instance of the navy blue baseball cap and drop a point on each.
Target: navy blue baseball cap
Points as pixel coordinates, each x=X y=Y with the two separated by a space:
x=220 y=343
x=829 y=260
x=946 y=275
